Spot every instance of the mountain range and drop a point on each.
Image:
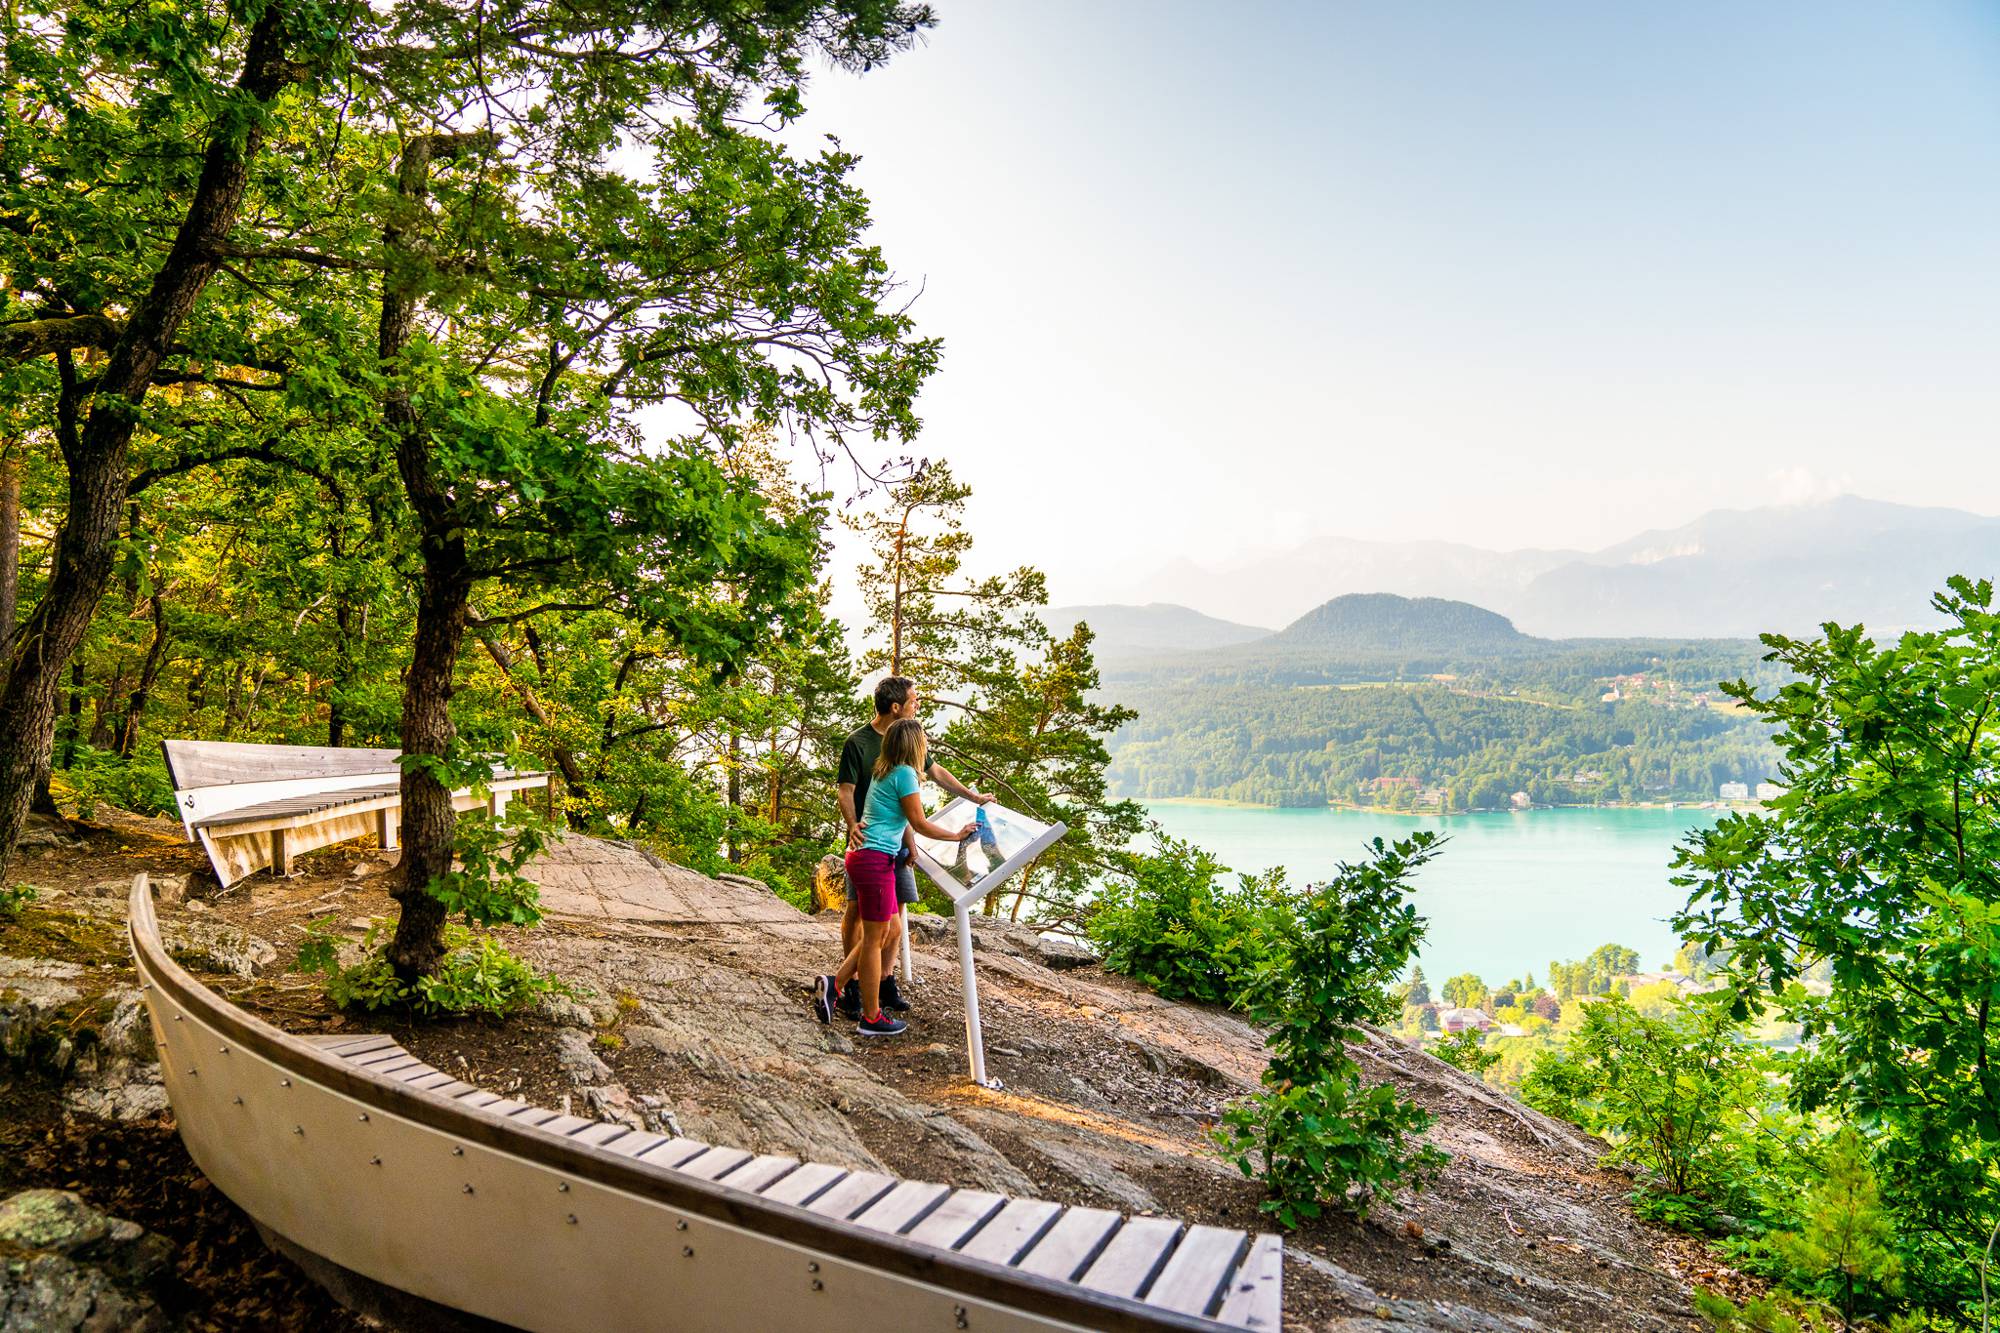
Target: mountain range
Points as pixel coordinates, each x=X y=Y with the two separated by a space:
x=1731 y=573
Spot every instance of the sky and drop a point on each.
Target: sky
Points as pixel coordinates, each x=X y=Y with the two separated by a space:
x=1218 y=279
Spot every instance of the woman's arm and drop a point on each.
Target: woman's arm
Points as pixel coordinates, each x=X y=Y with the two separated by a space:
x=913 y=810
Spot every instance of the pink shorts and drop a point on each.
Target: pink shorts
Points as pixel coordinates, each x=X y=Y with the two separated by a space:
x=871 y=877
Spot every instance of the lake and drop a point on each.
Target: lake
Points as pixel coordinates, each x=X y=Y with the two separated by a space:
x=1506 y=894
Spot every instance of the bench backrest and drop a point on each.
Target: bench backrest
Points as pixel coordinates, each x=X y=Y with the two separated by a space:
x=214 y=777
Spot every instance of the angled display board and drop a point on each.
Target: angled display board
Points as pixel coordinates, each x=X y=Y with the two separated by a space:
x=1002 y=844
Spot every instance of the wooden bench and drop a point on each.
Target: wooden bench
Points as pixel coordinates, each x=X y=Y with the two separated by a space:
x=352 y=1153
x=258 y=806
x=1215 y=1273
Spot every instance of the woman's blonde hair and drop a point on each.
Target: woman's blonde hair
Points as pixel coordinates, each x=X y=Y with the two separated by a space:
x=903 y=743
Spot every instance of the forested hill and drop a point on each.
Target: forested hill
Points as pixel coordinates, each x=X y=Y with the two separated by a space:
x=1432 y=704
x=1374 y=624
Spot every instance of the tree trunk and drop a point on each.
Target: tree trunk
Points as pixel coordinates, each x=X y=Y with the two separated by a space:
x=10 y=544
x=565 y=758
x=97 y=455
x=149 y=672
x=735 y=850
x=430 y=824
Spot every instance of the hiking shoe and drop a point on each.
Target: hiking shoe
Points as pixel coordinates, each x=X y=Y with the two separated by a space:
x=881 y=1026
x=849 y=1002
x=823 y=999
x=892 y=999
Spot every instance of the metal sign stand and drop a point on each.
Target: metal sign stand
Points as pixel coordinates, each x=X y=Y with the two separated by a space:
x=963 y=900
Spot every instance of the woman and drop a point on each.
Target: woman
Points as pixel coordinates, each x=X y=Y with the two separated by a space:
x=892 y=809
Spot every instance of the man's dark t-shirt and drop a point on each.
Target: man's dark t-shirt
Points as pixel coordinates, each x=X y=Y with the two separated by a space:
x=857 y=763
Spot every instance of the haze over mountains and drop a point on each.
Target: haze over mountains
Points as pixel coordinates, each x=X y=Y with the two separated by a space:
x=1728 y=574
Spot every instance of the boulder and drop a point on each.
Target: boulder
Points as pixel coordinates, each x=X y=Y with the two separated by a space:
x=576 y=1059
x=215 y=947
x=68 y=1268
x=564 y=1011
x=829 y=888
x=46 y=833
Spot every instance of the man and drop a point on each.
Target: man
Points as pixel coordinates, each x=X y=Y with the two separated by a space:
x=895 y=699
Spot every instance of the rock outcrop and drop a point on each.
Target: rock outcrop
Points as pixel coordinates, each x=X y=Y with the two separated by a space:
x=65 y=1267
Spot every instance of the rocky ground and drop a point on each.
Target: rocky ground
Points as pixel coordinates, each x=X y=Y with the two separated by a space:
x=695 y=1018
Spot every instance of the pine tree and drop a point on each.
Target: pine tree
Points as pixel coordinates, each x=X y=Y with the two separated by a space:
x=1020 y=717
x=1418 y=991
x=1847 y=1236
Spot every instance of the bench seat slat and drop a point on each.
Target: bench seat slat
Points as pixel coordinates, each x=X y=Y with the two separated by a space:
x=957 y=1217
x=672 y=1152
x=713 y=1163
x=348 y=1045
x=1134 y=1257
x=805 y=1184
x=1071 y=1245
x=851 y=1195
x=1191 y=1283
x=1017 y=1226
x=1256 y=1290
x=533 y=1115
x=636 y=1143
x=601 y=1133
x=387 y=1055
x=761 y=1172
x=902 y=1207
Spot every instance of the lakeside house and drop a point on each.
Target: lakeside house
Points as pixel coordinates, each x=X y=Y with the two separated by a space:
x=1734 y=791
x=1458 y=1020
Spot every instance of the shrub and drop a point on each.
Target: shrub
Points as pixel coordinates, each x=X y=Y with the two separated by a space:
x=1467 y=1050
x=477 y=976
x=1668 y=1091
x=1316 y=1135
x=1166 y=920
x=14 y=899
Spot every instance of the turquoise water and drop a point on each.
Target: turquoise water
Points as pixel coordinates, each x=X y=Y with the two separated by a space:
x=1508 y=893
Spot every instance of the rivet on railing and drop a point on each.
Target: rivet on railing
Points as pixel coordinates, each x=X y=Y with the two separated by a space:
x=299 y=1130
x=374 y=1161
x=468 y=1189
x=958 y=1313
x=284 y=1083
x=812 y=1268
x=177 y=1018
x=681 y=1225
x=237 y=1100
x=224 y=1050
x=192 y=1070
x=562 y=1187
x=572 y=1219
x=687 y=1251
x=363 y=1117
x=818 y=1285
x=458 y=1152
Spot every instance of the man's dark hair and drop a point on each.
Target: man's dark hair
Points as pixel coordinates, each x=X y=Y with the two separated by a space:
x=891 y=693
